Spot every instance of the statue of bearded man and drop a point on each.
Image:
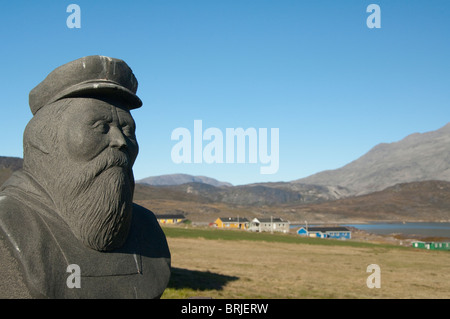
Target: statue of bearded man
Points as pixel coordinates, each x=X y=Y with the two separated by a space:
x=71 y=206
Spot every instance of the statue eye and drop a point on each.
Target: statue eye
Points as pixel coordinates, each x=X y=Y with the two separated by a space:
x=128 y=130
x=101 y=126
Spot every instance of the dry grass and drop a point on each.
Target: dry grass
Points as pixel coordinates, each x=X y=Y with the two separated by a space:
x=260 y=269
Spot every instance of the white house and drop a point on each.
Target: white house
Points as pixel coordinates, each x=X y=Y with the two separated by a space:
x=272 y=224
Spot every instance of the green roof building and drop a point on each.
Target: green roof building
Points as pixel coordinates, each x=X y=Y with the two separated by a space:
x=432 y=245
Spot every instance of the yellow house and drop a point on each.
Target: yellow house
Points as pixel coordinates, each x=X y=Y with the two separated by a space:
x=170 y=218
x=232 y=222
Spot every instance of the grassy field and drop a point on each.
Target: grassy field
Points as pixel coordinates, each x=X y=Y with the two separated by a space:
x=237 y=264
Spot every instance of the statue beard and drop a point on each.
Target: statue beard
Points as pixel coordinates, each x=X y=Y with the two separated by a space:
x=96 y=200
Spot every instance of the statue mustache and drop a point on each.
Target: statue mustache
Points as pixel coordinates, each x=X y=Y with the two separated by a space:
x=109 y=159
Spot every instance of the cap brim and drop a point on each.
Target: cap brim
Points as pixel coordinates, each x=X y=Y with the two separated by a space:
x=114 y=90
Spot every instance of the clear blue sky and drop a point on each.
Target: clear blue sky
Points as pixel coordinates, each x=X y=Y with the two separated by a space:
x=313 y=69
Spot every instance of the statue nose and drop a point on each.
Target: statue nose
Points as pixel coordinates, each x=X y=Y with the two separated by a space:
x=117 y=139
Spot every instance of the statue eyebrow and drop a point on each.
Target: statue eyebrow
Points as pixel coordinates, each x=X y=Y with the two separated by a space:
x=126 y=121
x=125 y=118
x=101 y=118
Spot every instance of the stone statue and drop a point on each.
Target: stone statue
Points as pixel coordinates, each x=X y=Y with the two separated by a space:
x=72 y=203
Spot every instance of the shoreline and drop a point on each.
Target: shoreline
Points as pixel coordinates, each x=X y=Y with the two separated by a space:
x=360 y=235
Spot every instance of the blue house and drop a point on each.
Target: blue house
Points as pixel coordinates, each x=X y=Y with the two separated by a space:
x=325 y=232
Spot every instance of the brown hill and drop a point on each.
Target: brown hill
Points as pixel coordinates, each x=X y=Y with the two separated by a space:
x=261 y=194
x=416 y=201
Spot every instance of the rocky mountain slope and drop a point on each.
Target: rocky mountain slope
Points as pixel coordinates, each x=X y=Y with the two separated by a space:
x=415 y=201
x=252 y=194
x=418 y=157
x=178 y=179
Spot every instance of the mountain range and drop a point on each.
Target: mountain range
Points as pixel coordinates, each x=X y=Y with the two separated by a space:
x=405 y=180
x=417 y=157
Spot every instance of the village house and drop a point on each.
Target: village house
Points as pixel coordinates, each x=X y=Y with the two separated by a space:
x=170 y=218
x=272 y=224
x=325 y=232
x=232 y=222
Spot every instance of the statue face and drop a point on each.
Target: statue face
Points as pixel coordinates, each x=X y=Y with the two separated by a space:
x=91 y=126
x=94 y=183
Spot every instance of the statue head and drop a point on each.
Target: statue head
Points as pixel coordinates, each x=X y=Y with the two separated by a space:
x=80 y=146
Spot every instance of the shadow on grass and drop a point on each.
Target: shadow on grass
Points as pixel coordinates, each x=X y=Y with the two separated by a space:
x=198 y=280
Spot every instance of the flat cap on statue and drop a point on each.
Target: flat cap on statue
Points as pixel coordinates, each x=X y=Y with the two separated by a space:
x=92 y=75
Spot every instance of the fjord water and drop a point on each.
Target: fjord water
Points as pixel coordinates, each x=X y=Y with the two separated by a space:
x=411 y=228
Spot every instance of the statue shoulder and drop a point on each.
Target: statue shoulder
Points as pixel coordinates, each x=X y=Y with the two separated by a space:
x=16 y=217
x=8 y=206
x=24 y=238
x=12 y=283
x=13 y=215
x=151 y=234
x=144 y=215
